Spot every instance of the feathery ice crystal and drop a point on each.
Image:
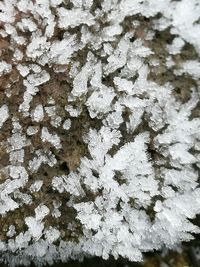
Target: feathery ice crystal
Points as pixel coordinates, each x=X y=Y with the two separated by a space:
x=100 y=128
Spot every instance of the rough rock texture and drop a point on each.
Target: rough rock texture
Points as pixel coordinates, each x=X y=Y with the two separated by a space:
x=99 y=128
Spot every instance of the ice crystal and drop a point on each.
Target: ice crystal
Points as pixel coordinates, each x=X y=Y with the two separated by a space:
x=99 y=128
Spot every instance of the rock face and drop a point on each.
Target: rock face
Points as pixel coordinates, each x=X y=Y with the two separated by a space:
x=99 y=128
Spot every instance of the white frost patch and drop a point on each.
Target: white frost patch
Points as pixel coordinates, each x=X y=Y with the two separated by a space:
x=36 y=186
x=124 y=85
x=91 y=219
x=80 y=81
x=73 y=18
x=104 y=68
x=37 y=47
x=11 y=231
x=55 y=119
x=100 y=101
x=118 y=58
x=175 y=47
x=35 y=227
x=56 y=213
x=38 y=78
x=27 y=24
x=18 y=55
x=191 y=67
x=70 y=183
x=5 y=67
x=23 y=70
x=17 y=141
x=61 y=51
x=4 y=114
x=184 y=18
x=51 y=138
x=180 y=152
x=74 y=112
x=67 y=124
x=18 y=178
x=25 y=106
x=41 y=211
x=112 y=30
x=52 y=234
x=41 y=157
x=38 y=113
x=16 y=156
x=31 y=130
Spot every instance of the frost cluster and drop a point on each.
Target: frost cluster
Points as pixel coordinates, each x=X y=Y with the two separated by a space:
x=99 y=128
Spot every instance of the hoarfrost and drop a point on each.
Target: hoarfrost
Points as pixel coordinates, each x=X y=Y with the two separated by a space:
x=4 y=114
x=100 y=126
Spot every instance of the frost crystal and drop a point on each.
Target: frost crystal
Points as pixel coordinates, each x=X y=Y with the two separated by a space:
x=4 y=68
x=67 y=124
x=99 y=128
x=38 y=113
x=51 y=138
x=4 y=114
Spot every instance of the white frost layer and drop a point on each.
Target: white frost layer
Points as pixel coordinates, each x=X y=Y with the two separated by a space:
x=4 y=114
x=143 y=145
